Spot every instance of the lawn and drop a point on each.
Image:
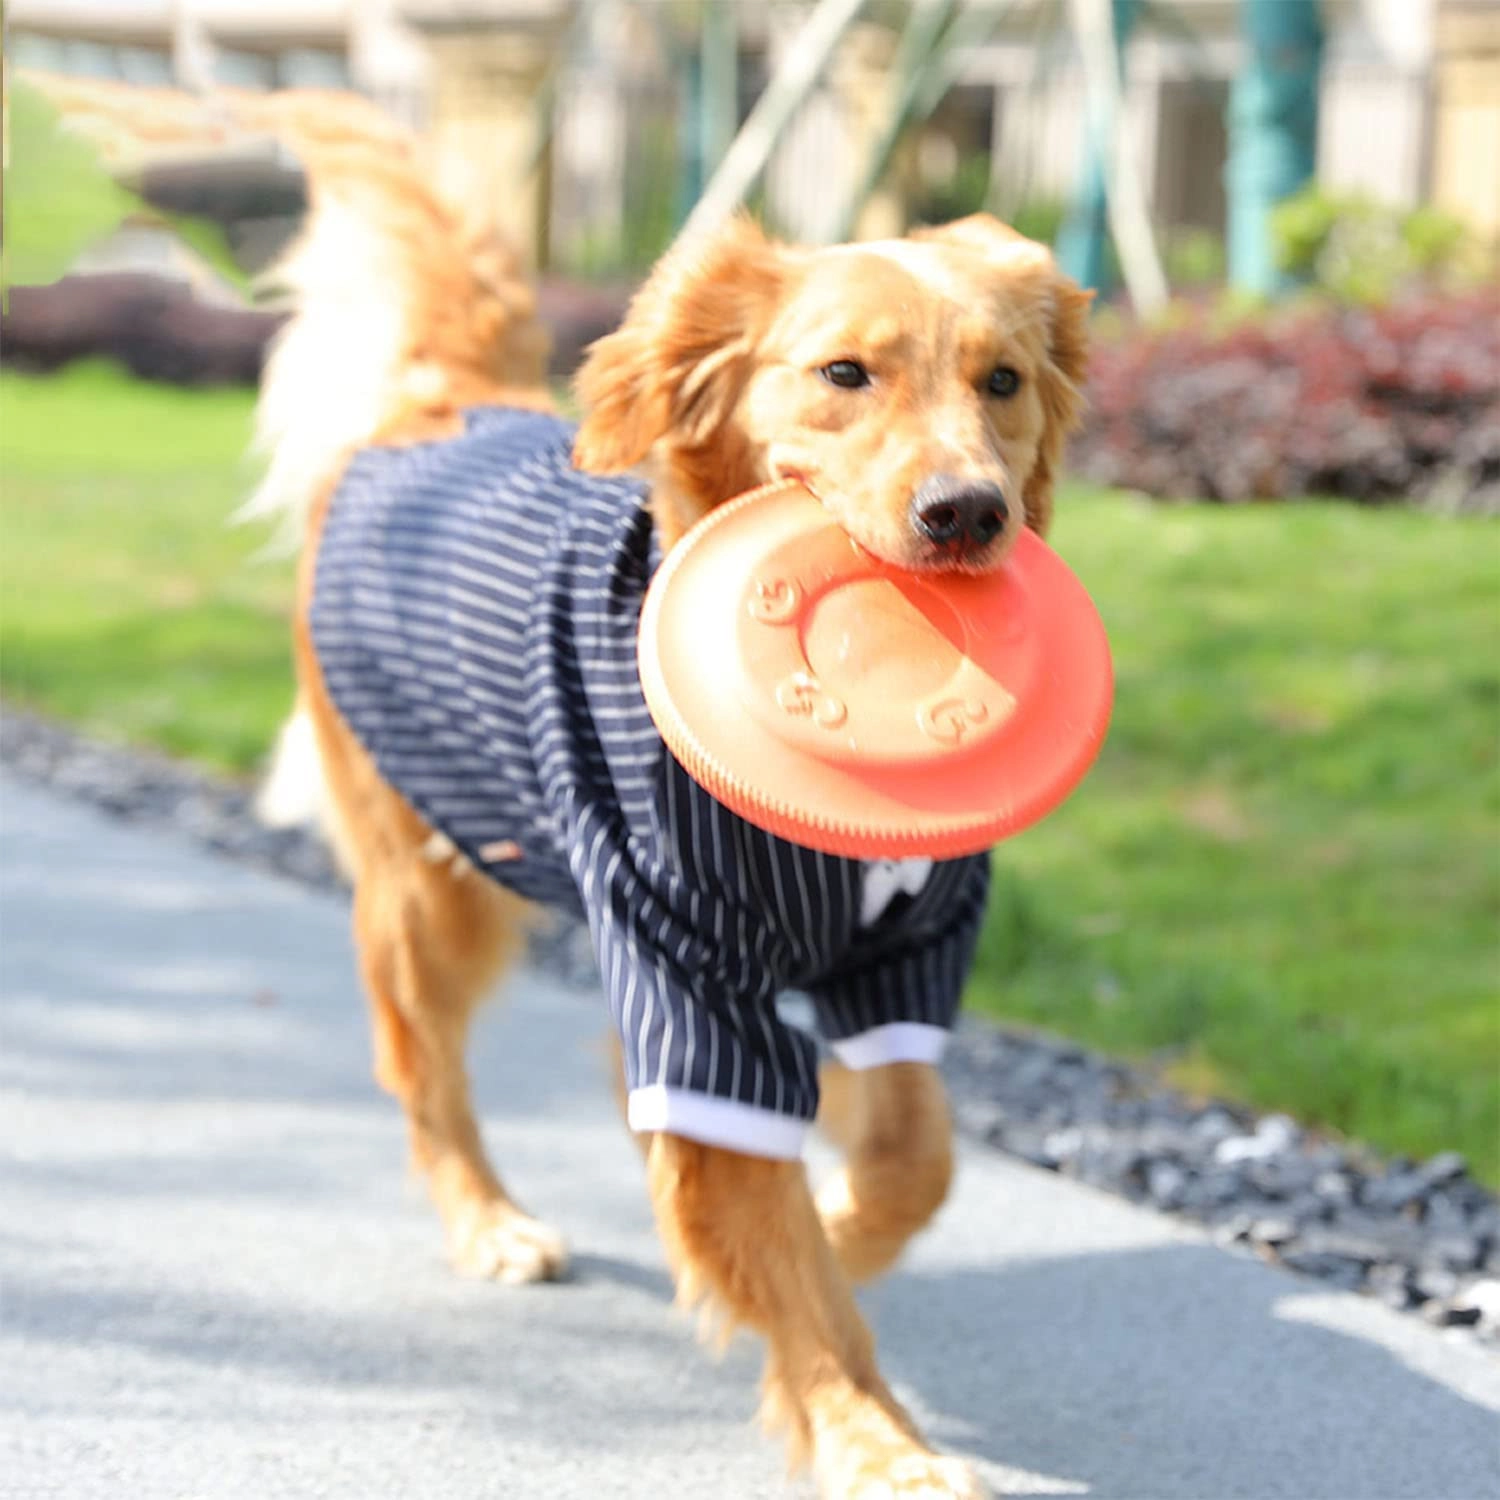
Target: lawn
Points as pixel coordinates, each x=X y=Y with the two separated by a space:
x=127 y=601
x=1281 y=883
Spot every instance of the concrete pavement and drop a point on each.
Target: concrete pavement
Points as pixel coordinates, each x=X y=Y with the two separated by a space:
x=216 y=1280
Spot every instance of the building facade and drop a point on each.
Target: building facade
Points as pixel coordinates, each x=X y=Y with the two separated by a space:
x=568 y=120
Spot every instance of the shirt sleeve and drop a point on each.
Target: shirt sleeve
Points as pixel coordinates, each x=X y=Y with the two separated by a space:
x=896 y=997
x=692 y=996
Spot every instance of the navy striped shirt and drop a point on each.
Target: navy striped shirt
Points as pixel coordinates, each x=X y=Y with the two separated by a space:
x=475 y=613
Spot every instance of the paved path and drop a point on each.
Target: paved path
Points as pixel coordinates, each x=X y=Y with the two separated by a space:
x=216 y=1281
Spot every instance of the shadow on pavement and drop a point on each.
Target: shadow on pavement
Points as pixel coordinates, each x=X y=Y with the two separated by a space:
x=1178 y=1371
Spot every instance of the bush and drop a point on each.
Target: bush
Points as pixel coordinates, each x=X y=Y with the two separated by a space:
x=1194 y=257
x=1395 y=403
x=1356 y=249
x=1038 y=219
x=158 y=329
x=961 y=193
x=154 y=326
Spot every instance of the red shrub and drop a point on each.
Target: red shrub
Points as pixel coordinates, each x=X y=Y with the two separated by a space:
x=1396 y=403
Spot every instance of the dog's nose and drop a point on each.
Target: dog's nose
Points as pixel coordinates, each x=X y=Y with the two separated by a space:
x=960 y=514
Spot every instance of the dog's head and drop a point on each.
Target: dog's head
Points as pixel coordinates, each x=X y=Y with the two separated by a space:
x=922 y=388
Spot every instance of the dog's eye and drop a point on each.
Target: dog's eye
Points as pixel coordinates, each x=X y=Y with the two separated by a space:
x=1004 y=381
x=847 y=374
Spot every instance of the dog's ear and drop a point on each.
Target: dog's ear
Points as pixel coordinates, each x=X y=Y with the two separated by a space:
x=680 y=358
x=1062 y=385
x=1065 y=307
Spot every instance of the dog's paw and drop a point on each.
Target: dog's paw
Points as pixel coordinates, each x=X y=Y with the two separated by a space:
x=500 y=1243
x=911 y=1476
x=926 y=1476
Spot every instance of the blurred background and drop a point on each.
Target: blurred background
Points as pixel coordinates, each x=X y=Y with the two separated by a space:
x=1282 y=883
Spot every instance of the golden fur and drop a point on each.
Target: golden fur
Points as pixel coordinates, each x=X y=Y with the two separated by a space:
x=711 y=386
x=712 y=382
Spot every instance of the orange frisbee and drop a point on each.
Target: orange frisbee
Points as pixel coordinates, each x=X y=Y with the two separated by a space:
x=862 y=710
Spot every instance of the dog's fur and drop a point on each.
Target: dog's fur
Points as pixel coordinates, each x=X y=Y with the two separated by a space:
x=405 y=317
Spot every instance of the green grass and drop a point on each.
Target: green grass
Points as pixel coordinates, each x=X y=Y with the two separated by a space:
x=1281 y=882
x=1283 y=877
x=127 y=602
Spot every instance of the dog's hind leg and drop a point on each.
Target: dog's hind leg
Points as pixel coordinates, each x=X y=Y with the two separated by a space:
x=432 y=943
x=433 y=937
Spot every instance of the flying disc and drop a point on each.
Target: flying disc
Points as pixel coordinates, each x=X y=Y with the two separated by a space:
x=860 y=709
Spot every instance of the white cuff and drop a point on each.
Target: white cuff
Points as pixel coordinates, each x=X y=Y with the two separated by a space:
x=897 y=1041
x=717 y=1122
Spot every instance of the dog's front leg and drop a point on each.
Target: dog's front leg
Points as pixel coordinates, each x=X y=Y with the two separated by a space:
x=893 y=1125
x=744 y=1238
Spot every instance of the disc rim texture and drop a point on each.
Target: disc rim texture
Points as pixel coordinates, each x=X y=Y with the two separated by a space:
x=796 y=768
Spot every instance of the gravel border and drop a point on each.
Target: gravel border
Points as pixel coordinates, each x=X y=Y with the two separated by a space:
x=1422 y=1237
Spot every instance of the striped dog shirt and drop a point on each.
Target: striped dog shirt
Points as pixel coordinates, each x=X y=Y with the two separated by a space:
x=475 y=611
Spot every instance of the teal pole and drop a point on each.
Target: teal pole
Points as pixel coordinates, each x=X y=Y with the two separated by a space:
x=718 y=82
x=690 y=165
x=1273 y=132
x=709 y=113
x=1083 y=240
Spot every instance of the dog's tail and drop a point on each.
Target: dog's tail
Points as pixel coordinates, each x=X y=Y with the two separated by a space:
x=398 y=302
x=397 y=299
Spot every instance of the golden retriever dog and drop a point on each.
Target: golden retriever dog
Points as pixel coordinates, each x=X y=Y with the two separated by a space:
x=922 y=389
